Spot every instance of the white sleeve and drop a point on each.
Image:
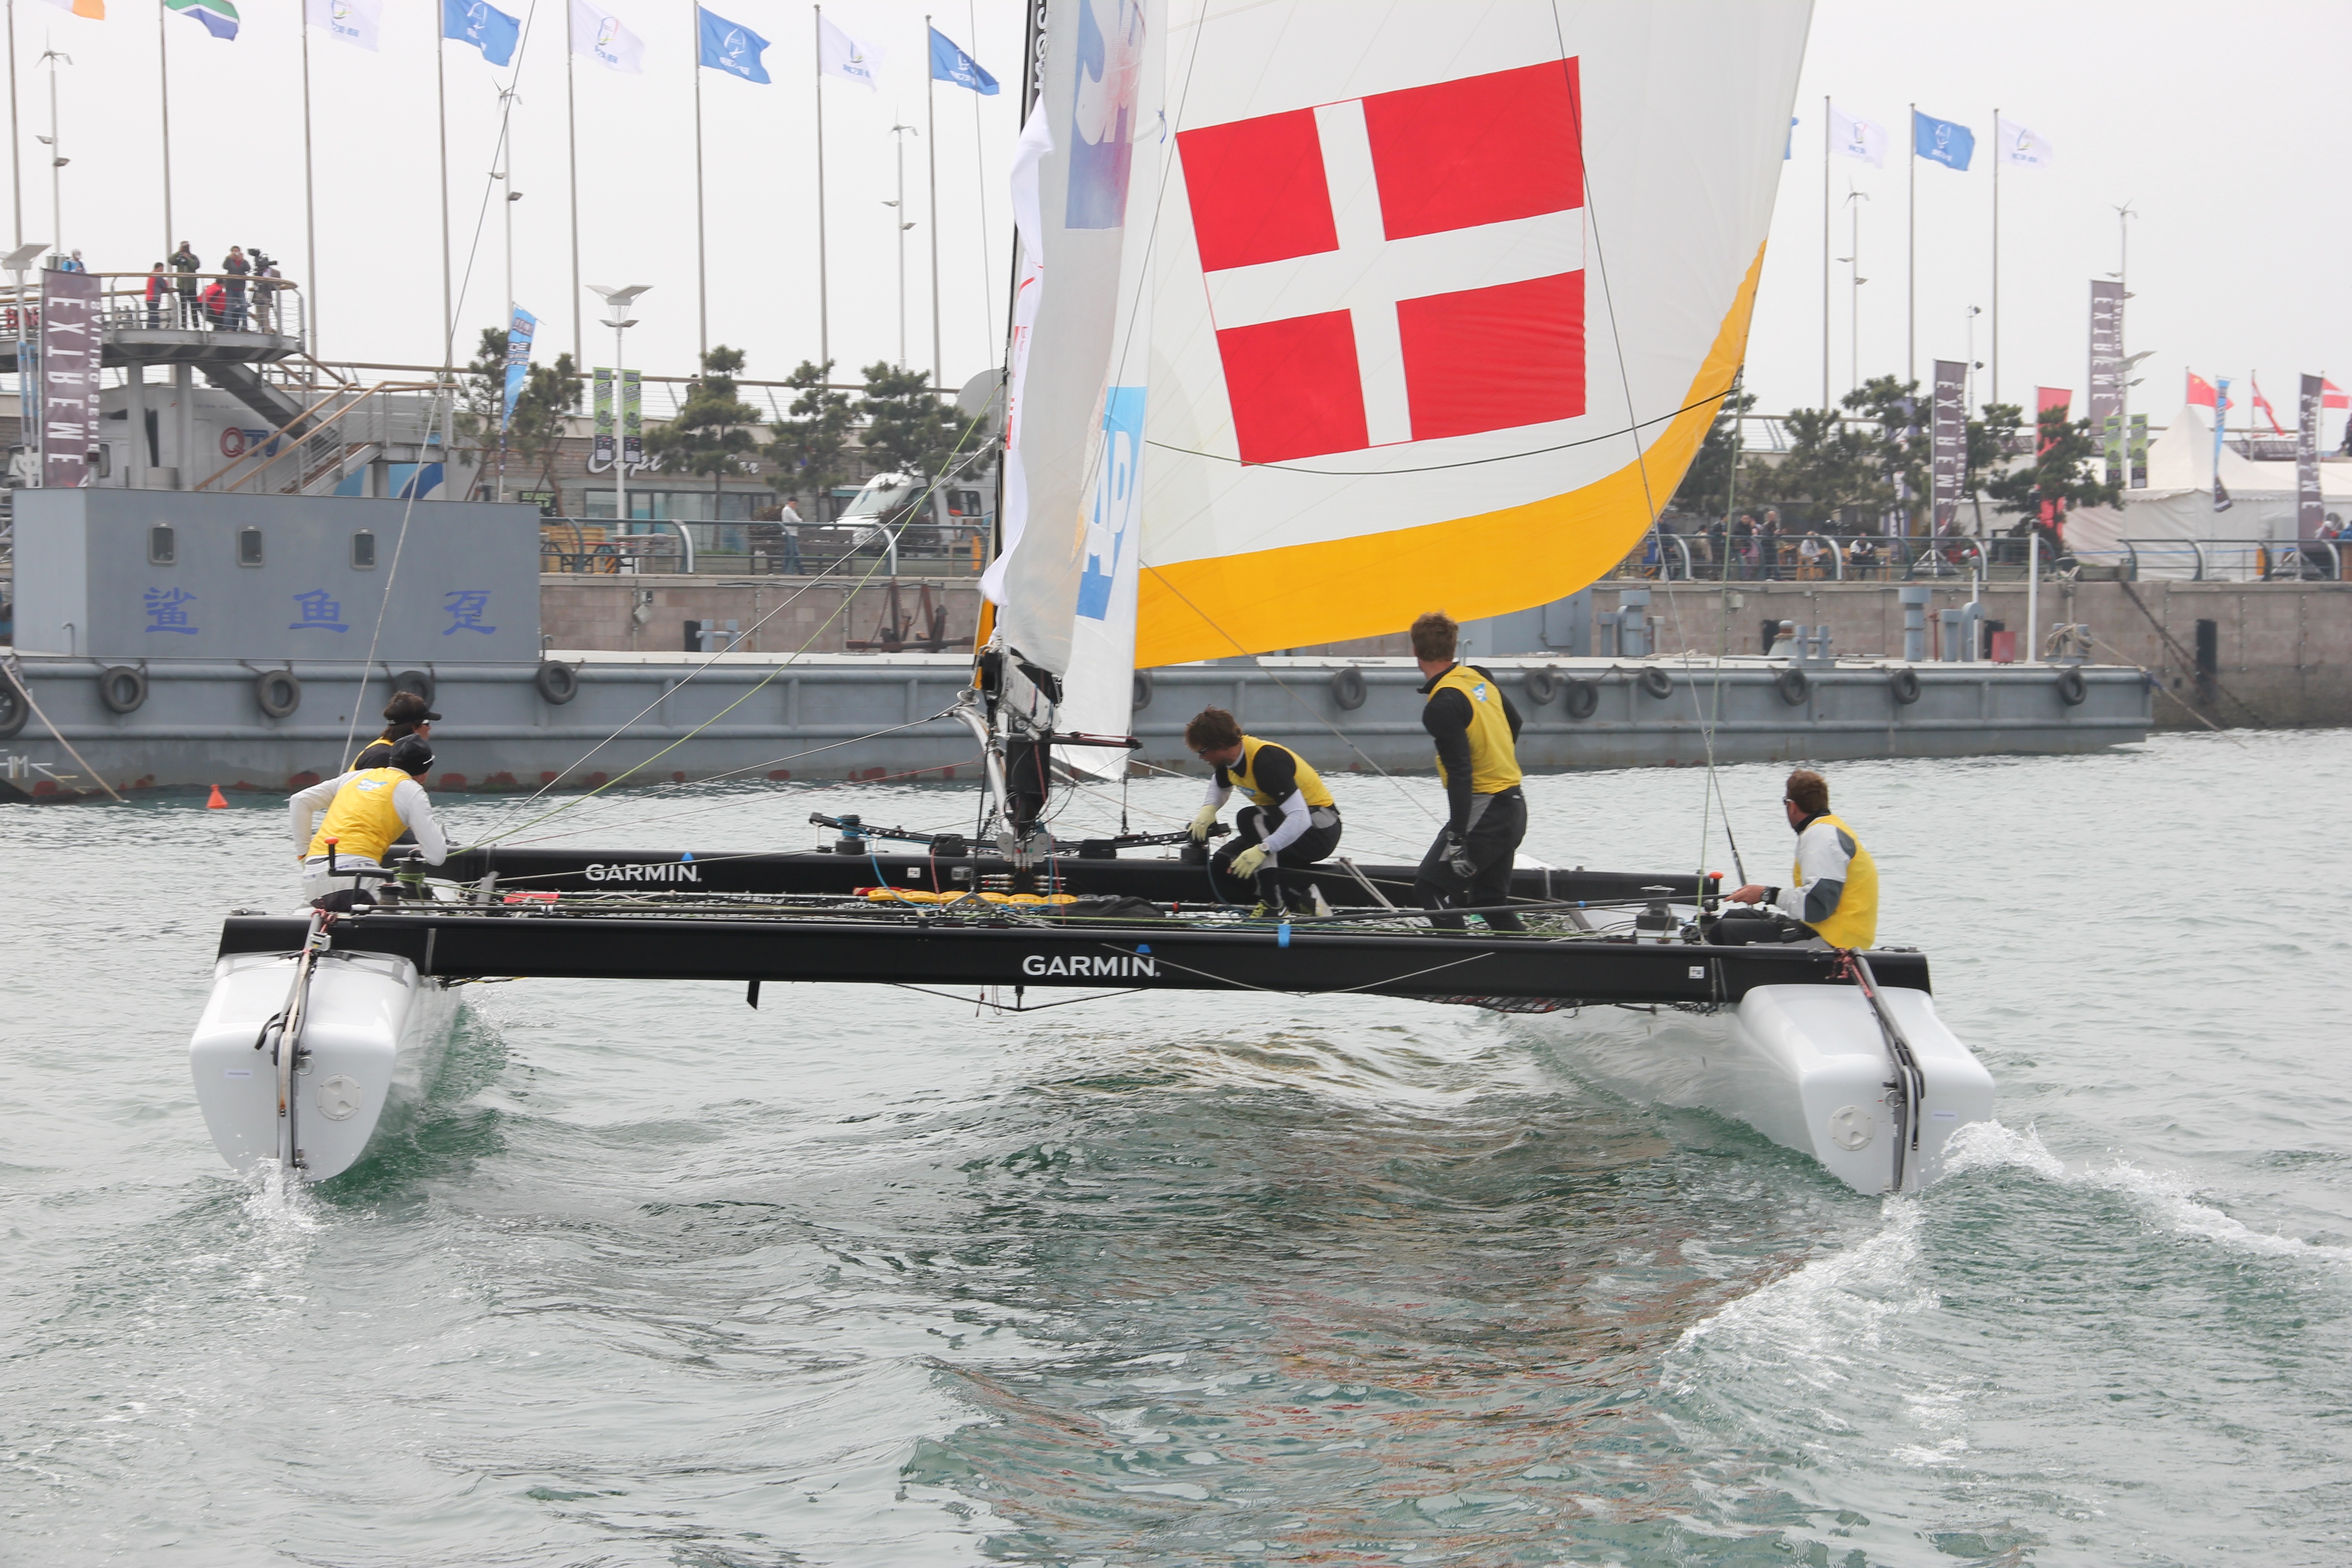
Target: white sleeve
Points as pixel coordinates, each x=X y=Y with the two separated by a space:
x=1823 y=858
x=1293 y=820
x=1218 y=792
x=303 y=806
x=415 y=808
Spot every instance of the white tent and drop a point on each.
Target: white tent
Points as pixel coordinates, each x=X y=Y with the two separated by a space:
x=2170 y=525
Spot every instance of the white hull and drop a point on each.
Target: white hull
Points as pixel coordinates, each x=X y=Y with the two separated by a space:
x=372 y=1032
x=1807 y=1066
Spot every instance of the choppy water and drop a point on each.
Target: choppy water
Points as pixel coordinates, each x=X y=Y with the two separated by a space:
x=863 y=1278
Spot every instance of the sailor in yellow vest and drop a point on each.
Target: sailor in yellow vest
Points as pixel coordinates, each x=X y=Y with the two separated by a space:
x=405 y=714
x=1477 y=732
x=1835 y=890
x=1293 y=822
x=366 y=809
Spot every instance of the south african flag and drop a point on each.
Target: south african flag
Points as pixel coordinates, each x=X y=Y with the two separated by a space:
x=218 y=16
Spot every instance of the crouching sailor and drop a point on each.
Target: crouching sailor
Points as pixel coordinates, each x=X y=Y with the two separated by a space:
x=1477 y=732
x=1294 y=822
x=1834 y=895
x=366 y=809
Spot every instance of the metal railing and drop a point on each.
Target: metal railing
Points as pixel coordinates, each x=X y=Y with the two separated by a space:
x=1870 y=558
x=271 y=306
x=601 y=545
x=2225 y=560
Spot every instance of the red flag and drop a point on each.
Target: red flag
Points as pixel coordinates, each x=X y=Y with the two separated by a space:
x=2333 y=397
x=2265 y=405
x=2200 y=391
x=2046 y=398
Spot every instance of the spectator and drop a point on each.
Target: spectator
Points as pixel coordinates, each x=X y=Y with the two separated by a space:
x=1744 y=542
x=237 y=266
x=1863 y=557
x=1774 y=545
x=72 y=263
x=1710 y=544
x=184 y=263
x=788 y=520
x=214 y=299
x=158 y=286
x=1809 y=558
x=265 y=299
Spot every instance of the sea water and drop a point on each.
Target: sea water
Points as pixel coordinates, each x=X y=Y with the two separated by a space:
x=872 y=1277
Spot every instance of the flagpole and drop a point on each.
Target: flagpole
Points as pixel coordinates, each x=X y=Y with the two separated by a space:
x=702 y=264
x=310 y=213
x=1995 y=398
x=1911 y=258
x=571 y=140
x=15 y=157
x=164 y=84
x=449 y=306
x=1826 y=210
x=824 y=310
x=932 y=134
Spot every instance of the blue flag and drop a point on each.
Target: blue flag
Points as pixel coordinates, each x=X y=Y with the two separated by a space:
x=1942 y=142
x=731 y=47
x=482 y=24
x=950 y=63
x=518 y=335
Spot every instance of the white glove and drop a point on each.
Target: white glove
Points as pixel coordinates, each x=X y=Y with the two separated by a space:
x=1203 y=820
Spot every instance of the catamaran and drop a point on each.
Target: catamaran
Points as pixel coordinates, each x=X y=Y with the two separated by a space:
x=1324 y=314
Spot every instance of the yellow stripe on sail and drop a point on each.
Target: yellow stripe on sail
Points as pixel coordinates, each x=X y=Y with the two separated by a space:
x=1490 y=564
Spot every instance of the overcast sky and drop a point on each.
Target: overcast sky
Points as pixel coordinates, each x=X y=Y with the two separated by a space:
x=2215 y=121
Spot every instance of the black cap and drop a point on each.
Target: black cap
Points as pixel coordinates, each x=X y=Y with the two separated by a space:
x=410 y=754
x=408 y=708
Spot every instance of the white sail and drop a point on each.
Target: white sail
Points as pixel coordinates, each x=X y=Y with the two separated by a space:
x=1447 y=297
x=1086 y=166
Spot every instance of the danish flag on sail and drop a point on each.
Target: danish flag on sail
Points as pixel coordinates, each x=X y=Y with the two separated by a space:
x=1402 y=266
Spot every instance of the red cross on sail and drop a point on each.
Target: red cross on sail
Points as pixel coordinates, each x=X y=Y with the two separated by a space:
x=1402 y=266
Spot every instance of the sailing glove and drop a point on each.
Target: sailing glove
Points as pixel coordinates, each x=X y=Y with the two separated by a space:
x=1246 y=863
x=1203 y=820
x=1457 y=858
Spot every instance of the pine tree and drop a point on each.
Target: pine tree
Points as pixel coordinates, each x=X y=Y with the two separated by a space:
x=2064 y=474
x=711 y=432
x=811 y=451
x=908 y=428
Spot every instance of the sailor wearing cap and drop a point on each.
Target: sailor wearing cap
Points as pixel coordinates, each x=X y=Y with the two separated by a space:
x=366 y=809
x=405 y=714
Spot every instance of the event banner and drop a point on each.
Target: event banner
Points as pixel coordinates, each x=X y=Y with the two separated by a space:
x=2107 y=353
x=601 y=458
x=2221 y=407
x=2310 y=507
x=2135 y=444
x=632 y=420
x=1949 y=434
x=2112 y=446
x=69 y=377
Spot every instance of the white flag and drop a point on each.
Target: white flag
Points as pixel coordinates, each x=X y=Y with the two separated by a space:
x=2018 y=146
x=599 y=35
x=838 y=54
x=1856 y=138
x=352 y=21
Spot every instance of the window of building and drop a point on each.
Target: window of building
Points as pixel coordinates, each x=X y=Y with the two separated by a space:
x=162 y=545
x=248 y=547
x=363 y=551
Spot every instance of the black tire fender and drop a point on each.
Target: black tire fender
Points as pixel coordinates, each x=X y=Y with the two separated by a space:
x=417 y=680
x=1347 y=688
x=1139 y=696
x=1657 y=683
x=278 y=692
x=1795 y=686
x=1905 y=686
x=123 y=687
x=1543 y=684
x=14 y=709
x=558 y=683
x=1584 y=696
x=2071 y=688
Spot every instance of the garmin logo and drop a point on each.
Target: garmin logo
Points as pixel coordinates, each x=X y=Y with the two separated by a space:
x=1100 y=966
x=659 y=871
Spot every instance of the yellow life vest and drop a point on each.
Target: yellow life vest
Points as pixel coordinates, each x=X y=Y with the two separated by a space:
x=1243 y=775
x=362 y=817
x=1854 y=923
x=1494 y=760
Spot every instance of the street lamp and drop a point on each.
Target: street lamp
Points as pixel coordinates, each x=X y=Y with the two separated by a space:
x=27 y=415
x=57 y=205
x=618 y=302
x=899 y=134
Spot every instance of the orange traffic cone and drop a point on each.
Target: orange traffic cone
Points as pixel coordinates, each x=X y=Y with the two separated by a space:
x=218 y=802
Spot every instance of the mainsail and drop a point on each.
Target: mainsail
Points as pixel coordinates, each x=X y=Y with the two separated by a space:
x=1086 y=170
x=1444 y=299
